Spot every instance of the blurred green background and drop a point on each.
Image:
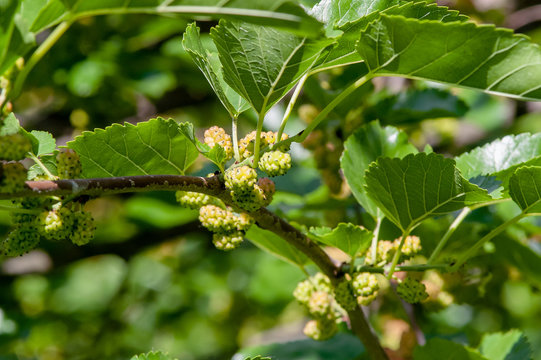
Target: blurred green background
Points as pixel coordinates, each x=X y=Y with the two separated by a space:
x=152 y=278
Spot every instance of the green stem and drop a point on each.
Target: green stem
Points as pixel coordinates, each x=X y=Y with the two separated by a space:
x=450 y=231
x=235 y=135
x=290 y=106
x=337 y=100
x=381 y=270
x=396 y=257
x=258 y=136
x=42 y=166
x=374 y=245
x=471 y=251
x=37 y=56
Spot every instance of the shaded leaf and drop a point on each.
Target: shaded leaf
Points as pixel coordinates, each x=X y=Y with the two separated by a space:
x=275 y=245
x=261 y=63
x=211 y=67
x=417 y=105
x=461 y=54
x=351 y=239
x=525 y=188
x=419 y=186
x=340 y=347
x=363 y=147
x=520 y=256
x=154 y=147
x=511 y=345
x=445 y=350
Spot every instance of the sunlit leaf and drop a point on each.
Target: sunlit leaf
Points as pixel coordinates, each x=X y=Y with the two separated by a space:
x=351 y=239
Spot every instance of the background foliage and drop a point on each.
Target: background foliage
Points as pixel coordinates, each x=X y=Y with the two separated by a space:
x=153 y=280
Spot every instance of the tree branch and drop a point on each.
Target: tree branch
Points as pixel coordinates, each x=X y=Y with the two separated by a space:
x=211 y=186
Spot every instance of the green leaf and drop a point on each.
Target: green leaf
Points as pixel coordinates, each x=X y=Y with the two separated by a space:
x=208 y=62
x=500 y=155
x=445 y=350
x=417 y=105
x=49 y=161
x=153 y=355
x=42 y=142
x=512 y=345
x=419 y=186
x=154 y=147
x=275 y=245
x=525 y=188
x=216 y=154
x=460 y=54
x=363 y=147
x=341 y=347
x=345 y=53
x=340 y=12
x=351 y=239
x=10 y=125
x=261 y=63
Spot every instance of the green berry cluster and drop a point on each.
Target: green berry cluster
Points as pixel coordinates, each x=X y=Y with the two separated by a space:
x=365 y=287
x=228 y=227
x=38 y=218
x=217 y=136
x=275 y=163
x=315 y=295
x=12 y=177
x=412 y=291
x=344 y=295
x=192 y=200
x=68 y=164
x=14 y=146
x=244 y=188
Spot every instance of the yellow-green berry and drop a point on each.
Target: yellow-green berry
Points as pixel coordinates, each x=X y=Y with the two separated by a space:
x=218 y=220
x=228 y=241
x=275 y=163
x=217 y=136
x=412 y=291
x=384 y=253
x=365 y=287
x=14 y=147
x=303 y=292
x=320 y=304
x=55 y=224
x=412 y=245
x=192 y=200
x=12 y=177
x=68 y=164
x=268 y=188
x=320 y=330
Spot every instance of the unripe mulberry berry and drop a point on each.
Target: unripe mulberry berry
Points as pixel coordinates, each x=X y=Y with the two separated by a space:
x=268 y=188
x=20 y=241
x=343 y=293
x=303 y=292
x=242 y=178
x=412 y=245
x=83 y=228
x=320 y=304
x=218 y=220
x=228 y=241
x=192 y=200
x=13 y=177
x=217 y=136
x=308 y=112
x=246 y=145
x=320 y=330
x=14 y=147
x=365 y=287
x=412 y=291
x=55 y=224
x=275 y=163
x=68 y=164
x=384 y=253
